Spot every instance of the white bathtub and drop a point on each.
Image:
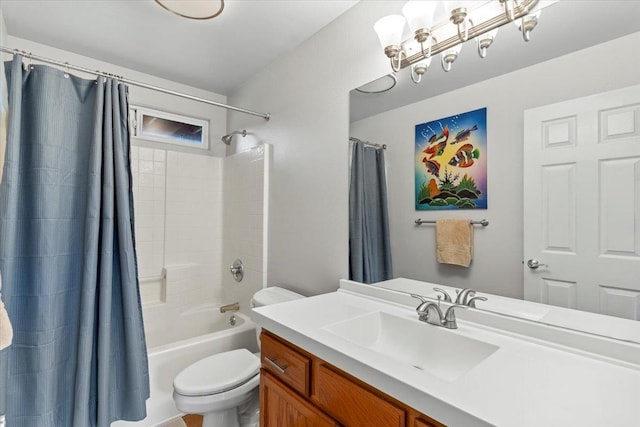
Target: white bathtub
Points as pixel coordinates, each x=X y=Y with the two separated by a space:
x=166 y=361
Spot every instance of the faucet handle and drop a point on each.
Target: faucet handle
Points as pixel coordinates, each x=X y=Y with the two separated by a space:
x=420 y=297
x=463 y=295
x=449 y=321
x=472 y=301
x=423 y=303
x=445 y=294
x=468 y=297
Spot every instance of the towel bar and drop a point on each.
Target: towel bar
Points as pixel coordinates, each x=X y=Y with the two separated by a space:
x=482 y=222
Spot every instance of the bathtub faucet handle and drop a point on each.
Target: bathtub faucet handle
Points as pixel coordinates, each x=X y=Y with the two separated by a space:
x=230 y=307
x=237 y=270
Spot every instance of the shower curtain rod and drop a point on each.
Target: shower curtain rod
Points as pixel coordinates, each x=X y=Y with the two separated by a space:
x=372 y=144
x=66 y=65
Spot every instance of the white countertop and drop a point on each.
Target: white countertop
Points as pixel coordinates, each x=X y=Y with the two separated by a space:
x=526 y=382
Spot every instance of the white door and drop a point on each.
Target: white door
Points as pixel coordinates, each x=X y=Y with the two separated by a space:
x=582 y=203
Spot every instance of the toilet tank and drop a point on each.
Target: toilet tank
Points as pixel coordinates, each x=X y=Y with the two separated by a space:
x=273 y=295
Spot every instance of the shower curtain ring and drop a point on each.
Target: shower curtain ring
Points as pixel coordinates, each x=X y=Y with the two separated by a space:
x=28 y=60
x=66 y=70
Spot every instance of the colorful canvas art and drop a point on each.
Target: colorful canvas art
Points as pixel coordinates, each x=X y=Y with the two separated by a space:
x=451 y=162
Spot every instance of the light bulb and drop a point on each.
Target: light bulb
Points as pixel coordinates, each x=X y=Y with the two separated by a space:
x=389 y=30
x=419 y=14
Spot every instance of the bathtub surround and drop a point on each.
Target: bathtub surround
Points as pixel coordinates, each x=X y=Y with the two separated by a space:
x=178 y=198
x=192 y=220
x=67 y=253
x=246 y=181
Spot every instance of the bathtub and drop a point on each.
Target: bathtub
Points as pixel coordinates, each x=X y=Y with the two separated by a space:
x=166 y=361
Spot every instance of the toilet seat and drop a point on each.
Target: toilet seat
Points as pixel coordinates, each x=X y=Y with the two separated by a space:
x=217 y=374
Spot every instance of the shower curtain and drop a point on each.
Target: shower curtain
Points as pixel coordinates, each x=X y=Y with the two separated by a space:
x=78 y=357
x=369 y=247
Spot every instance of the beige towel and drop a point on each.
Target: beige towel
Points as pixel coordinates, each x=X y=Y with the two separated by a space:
x=454 y=241
x=6 y=332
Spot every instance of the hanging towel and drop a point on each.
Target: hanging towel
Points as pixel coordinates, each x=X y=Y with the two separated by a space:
x=6 y=332
x=454 y=241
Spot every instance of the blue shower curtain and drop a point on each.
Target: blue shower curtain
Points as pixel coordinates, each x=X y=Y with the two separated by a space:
x=67 y=254
x=369 y=246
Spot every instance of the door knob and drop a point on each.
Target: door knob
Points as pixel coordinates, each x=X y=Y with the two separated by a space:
x=534 y=264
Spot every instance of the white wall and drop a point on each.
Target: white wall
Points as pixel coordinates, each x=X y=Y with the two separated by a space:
x=307 y=93
x=497 y=265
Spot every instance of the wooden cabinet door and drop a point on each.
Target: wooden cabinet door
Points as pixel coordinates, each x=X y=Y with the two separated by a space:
x=282 y=407
x=351 y=404
x=422 y=423
x=416 y=419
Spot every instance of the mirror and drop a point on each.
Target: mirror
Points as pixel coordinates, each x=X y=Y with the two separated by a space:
x=566 y=59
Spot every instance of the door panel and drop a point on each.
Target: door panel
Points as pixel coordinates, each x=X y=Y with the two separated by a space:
x=582 y=203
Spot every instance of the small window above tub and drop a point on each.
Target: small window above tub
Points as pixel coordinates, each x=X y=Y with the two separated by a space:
x=169 y=128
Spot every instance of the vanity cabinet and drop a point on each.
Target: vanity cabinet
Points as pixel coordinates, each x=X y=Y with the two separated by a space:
x=280 y=406
x=300 y=389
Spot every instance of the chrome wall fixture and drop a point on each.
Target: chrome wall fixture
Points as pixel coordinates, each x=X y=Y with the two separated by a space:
x=227 y=138
x=465 y=20
x=237 y=270
x=482 y=222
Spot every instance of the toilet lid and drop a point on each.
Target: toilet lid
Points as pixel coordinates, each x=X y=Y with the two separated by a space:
x=217 y=373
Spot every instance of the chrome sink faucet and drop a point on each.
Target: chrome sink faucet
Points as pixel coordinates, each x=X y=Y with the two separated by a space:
x=430 y=312
x=463 y=297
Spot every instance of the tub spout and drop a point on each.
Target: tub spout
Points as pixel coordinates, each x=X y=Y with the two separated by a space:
x=230 y=307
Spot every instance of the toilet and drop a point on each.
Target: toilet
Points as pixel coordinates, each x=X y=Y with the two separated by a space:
x=224 y=387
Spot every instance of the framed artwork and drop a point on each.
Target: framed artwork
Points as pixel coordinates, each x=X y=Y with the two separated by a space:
x=451 y=162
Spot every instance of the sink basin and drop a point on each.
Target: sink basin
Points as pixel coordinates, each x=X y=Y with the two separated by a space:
x=441 y=352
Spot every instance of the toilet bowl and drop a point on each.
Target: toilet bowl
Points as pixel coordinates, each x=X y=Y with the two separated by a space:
x=224 y=387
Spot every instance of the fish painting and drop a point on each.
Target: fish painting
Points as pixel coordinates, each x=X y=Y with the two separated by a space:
x=464 y=156
x=450 y=162
x=464 y=134
x=433 y=167
x=444 y=136
x=436 y=149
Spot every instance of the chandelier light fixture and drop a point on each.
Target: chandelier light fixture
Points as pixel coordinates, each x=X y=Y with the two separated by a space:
x=193 y=9
x=459 y=21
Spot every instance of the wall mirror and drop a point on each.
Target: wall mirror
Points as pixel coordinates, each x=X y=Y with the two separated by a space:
x=566 y=59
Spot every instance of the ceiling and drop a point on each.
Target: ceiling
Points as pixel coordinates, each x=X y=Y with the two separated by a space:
x=564 y=27
x=217 y=55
